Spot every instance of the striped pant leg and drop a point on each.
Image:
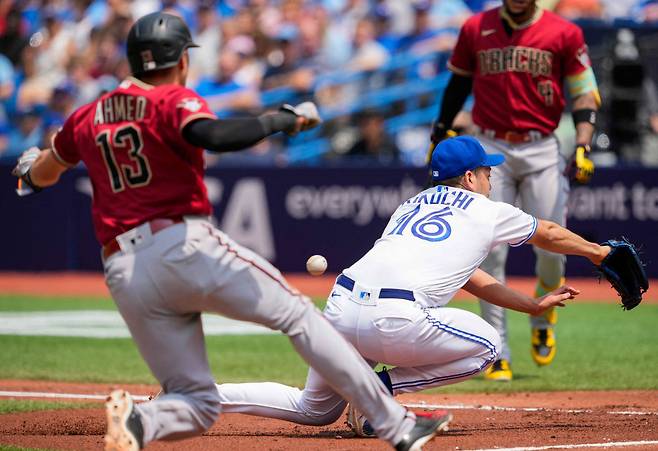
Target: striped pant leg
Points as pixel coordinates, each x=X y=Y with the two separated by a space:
x=462 y=345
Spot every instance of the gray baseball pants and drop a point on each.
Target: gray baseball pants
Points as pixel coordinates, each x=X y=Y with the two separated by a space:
x=532 y=178
x=161 y=283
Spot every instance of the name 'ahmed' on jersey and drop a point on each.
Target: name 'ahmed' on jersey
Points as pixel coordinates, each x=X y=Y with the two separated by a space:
x=120 y=108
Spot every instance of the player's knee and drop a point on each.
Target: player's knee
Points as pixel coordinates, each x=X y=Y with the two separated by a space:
x=320 y=415
x=297 y=320
x=207 y=407
x=494 y=343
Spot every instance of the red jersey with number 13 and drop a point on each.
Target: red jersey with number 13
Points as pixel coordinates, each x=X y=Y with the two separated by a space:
x=140 y=166
x=518 y=79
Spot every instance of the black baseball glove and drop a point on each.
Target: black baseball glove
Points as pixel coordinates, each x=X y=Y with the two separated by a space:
x=625 y=271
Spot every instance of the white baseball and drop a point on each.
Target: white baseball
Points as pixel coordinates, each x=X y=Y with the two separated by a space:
x=316 y=265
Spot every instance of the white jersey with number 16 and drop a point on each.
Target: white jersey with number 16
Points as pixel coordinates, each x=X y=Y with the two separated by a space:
x=437 y=239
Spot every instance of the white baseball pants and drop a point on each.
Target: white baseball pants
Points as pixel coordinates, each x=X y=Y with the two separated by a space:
x=166 y=280
x=430 y=347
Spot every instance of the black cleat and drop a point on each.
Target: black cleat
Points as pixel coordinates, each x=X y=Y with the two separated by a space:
x=426 y=427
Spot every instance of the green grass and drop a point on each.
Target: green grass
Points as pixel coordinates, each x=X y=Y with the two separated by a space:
x=29 y=405
x=599 y=347
x=15 y=303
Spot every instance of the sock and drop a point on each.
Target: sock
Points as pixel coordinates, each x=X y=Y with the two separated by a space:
x=386 y=379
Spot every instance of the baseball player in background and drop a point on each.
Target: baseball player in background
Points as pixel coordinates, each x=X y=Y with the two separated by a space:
x=391 y=304
x=516 y=59
x=165 y=263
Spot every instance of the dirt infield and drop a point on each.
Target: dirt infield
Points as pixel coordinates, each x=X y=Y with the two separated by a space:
x=567 y=420
x=92 y=284
x=482 y=421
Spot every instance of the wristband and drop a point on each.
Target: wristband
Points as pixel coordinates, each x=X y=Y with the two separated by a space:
x=584 y=115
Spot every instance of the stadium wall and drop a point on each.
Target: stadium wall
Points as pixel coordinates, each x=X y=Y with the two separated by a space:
x=288 y=214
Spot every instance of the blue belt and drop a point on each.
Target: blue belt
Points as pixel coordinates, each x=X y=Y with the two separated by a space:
x=386 y=293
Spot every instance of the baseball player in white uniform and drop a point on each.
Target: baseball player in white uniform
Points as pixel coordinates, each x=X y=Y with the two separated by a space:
x=516 y=60
x=391 y=304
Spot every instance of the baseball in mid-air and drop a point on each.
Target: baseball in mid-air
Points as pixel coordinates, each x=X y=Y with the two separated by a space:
x=316 y=265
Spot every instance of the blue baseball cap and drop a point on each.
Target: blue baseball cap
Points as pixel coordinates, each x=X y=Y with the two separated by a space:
x=452 y=157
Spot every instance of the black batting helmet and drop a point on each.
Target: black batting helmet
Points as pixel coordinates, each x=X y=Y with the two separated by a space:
x=157 y=41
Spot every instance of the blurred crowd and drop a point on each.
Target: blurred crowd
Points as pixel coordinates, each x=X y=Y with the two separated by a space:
x=60 y=54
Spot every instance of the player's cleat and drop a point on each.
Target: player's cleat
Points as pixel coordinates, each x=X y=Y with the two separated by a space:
x=124 y=428
x=542 y=340
x=543 y=346
x=427 y=426
x=500 y=371
x=156 y=396
x=358 y=423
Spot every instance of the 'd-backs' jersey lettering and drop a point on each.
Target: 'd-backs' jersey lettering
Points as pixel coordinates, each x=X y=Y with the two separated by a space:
x=140 y=166
x=436 y=240
x=518 y=79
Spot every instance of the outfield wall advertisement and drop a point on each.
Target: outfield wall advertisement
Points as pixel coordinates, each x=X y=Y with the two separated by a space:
x=289 y=214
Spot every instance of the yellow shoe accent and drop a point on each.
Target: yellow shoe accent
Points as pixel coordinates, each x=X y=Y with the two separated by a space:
x=543 y=346
x=551 y=314
x=499 y=371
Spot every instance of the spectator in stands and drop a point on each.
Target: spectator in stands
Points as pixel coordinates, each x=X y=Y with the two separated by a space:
x=284 y=64
x=424 y=38
x=203 y=61
x=311 y=31
x=225 y=95
x=62 y=103
x=367 y=54
x=55 y=46
x=87 y=88
x=373 y=143
x=384 y=34
x=251 y=69
x=449 y=14
x=343 y=17
x=26 y=133
x=32 y=88
x=13 y=37
x=7 y=87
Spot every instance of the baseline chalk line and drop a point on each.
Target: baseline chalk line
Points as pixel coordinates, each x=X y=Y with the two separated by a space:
x=35 y=394
x=582 y=445
x=49 y=395
x=423 y=405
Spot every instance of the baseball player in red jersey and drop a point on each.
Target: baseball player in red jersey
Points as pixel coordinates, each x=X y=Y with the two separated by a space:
x=515 y=59
x=164 y=261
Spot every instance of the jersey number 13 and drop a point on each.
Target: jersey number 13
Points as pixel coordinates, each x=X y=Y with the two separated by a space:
x=124 y=139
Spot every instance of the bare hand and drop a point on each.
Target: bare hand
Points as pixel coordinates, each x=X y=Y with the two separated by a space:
x=556 y=298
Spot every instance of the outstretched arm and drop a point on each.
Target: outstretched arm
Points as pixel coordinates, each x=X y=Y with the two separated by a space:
x=555 y=238
x=227 y=135
x=486 y=287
